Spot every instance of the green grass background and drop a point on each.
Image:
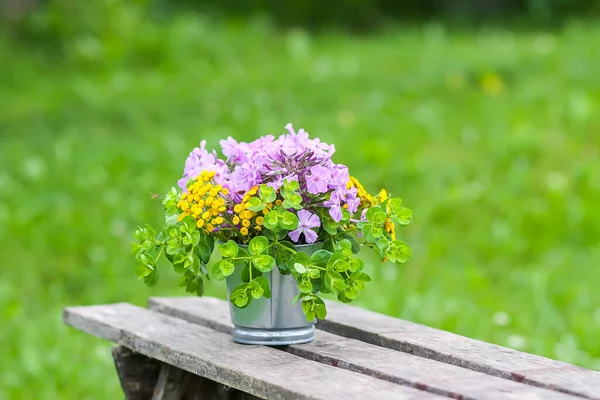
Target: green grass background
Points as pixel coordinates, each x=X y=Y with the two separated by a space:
x=491 y=135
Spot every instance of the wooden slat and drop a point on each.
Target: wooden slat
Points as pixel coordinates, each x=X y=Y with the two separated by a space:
x=435 y=344
x=369 y=359
x=258 y=370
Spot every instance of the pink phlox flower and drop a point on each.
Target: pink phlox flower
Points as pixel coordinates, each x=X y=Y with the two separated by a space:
x=306 y=222
x=318 y=180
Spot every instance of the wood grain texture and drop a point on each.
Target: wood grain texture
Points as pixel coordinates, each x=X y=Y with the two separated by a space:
x=435 y=344
x=137 y=373
x=261 y=371
x=369 y=359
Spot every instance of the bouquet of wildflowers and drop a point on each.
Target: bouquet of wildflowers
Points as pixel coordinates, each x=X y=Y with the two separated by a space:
x=258 y=205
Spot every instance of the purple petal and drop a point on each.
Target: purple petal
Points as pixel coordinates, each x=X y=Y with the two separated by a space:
x=295 y=235
x=310 y=235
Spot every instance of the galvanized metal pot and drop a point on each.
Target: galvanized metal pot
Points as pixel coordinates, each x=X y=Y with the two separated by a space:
x=274 y=321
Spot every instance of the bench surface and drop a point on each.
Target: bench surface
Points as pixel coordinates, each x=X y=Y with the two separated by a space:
x=357 y=354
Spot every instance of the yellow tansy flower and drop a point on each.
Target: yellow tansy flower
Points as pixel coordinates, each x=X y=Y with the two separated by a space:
x=219 y=220
x=206 y=215
x=259 y=220
x=246 y=222
x=210 y=228
x=258 y=228
x=278 y=202
x=236 y=220
x=244 y=231
x=237 y=208
x=200 y=223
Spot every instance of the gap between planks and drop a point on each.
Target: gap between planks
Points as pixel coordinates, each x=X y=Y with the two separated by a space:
x=355 y=355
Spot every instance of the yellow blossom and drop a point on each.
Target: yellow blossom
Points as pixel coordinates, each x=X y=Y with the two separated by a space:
x=237 y=208
x=236 y=220
x=219 y=220
x=244 y=231
x=209 y=228
x=200 y=223
x=214 y=212
x=185 y=205
x=258 y=228
x=221 y=209
x=278 y=202
x=209 y=200
x=246 y=222
x=225 y=191
x=259 y=220
x=206 y=215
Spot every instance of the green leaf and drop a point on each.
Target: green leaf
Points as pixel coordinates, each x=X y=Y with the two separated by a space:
x=135 y=247
x=404 y=216
x=334 y=257
x=263 y=263
x=216 y=271
x=305 y=286
x=152 y=278
x=255 y=204
x=143 y=270
x=353 y=242
x=329 y=225
x=264 y=284
x=395 y=205
x=351 y=293
x=320 y=258
x=379 y=217
x=288 y=221
x=229 y=249
x=284 y=257
x=256 y=290
x=202 y=250
x=291 y=186
x=227 y=267
x=321 y=312
x=341 y=265
x=239 y=296
x=299 y=268
x=398 y=252
x=371 y=213
x=190 y=223
x=344 y=245
x=356 y=264
x=195 y=238
x=267 y=193
x=271 y=220
x=187 y=239
x=314 y=273
x=258 y=245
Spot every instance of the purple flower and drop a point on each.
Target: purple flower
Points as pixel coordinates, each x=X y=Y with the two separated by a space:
x=318 y=180
x=233 y=150
x=307 y=221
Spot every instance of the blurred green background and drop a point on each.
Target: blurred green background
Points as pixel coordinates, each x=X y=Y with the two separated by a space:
x=483 y=116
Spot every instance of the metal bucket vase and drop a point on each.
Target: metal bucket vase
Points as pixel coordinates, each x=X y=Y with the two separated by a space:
x=274 y=321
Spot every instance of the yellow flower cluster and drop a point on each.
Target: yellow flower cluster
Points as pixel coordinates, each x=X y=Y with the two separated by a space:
x=204 y=202
x=366 y=200
x=388 y=225
x=245 y=219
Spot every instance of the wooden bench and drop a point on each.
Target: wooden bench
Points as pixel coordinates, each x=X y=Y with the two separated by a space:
x=180 y=348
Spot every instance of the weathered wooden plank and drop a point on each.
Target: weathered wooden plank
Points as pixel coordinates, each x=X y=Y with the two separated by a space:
x=137 y=373
x=369 y=359
x=435 y=344
x=261 y=371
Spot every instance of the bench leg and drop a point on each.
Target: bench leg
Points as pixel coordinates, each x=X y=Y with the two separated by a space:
x=143 y=378
x=137 y=373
